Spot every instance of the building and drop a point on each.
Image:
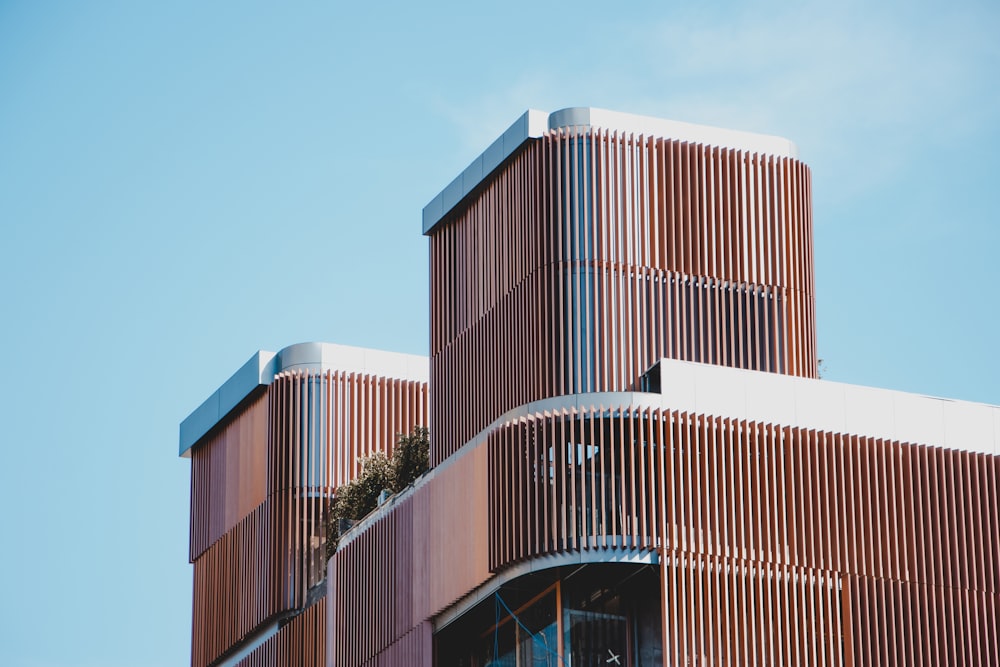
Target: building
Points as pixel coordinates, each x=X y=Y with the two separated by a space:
x=267 y=450
x=633 y=461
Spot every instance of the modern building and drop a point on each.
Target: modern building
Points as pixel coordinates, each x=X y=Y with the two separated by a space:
x=633 y=461
x=268 y=449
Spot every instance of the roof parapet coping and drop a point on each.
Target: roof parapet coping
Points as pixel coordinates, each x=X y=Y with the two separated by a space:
x=261 y=369
x=834 y=407
x=534 y=124
x=258 y=371
x=531 y=125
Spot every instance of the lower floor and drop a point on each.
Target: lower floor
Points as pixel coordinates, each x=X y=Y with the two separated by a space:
x=586 y=614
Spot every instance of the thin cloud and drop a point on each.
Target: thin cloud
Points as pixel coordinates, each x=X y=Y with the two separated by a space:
x=835 y=79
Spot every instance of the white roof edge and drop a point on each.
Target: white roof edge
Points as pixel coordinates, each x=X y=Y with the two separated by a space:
x=261 y=369
x=346 y=358
x=534 y=124
x=831 y=406
x=256 y=372
x=531 y=124
x=788 y=400
x=673 y=129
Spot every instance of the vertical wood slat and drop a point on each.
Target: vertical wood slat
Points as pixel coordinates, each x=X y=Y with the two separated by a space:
x=284 y=454
x=771 y=547
x=785 y=471
x=853 y=574
x=227 y=475
x=301 y=643
x=787 y=612
x=593 y=208
x=791 y=517
x=382 y=603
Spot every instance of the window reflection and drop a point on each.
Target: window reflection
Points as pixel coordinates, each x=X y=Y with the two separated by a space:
x=594 y=615
x=523 y=637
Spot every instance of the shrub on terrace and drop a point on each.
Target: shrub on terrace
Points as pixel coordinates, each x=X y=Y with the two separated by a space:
x=354 y=500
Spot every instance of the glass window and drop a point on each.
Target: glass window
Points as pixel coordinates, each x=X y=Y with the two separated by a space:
x=605 y=615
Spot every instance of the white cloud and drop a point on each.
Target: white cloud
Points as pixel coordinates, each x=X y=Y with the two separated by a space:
x=836 y=79
x=842 y=80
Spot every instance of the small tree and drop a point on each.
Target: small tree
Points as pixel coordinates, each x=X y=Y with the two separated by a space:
x=357 y=498
x=410 y=458
x=360 y=496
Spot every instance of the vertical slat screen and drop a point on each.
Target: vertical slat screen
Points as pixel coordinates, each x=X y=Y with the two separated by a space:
x=592 y=254
x=722 y=611
x=584 y=259
x=300 y=643
x=777 y=545
x=386 y=584
x=227 y=474
x=260 y=489
x=787 y=516
x=235 y=589
x=655 y=478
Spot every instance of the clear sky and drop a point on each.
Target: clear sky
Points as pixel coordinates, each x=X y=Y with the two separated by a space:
x=183 y=183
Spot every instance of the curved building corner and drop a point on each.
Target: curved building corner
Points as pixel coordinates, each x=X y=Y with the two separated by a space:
x=633 y=461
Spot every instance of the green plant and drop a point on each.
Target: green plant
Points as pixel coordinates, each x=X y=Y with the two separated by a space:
x=354 y=500
x=410 y=458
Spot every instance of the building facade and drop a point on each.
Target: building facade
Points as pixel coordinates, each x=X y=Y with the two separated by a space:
x=633 y=461
x=268 y=449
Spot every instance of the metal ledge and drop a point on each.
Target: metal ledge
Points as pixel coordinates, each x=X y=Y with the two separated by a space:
x=534 y=124
x=261 y=369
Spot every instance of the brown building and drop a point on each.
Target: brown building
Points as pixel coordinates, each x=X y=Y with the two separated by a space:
x=268 y=449
x=633 y=462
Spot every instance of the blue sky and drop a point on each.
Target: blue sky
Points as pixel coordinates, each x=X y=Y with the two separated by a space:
x=184 y=183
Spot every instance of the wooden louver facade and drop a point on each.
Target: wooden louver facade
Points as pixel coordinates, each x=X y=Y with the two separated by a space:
x=591 y=254
x=776 y=545
x=584 y=258
x=787 y=521
x=261 y=483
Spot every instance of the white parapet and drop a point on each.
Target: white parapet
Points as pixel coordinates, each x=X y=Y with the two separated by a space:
x=261 y=369
x=533 y=124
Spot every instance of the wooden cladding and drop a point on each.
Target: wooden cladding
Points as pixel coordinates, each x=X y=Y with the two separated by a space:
x=323 y=424
x=235 y=588
x=777 y=545
x=727 y=611
x=260 y=489
x=261 y=569
x=655 y=478
x=414 y=648
x=758 y=524
x=228 y=475
x=300 y=643
x=386 y=583
x=621 y=327
x=903 y=623
x=591 y=255
x=623 y=200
